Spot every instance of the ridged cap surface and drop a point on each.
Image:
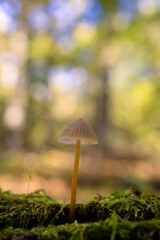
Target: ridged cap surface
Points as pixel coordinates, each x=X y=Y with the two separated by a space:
x=78 y=129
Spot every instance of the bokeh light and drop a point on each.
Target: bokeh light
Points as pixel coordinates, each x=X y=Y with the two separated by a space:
x=12 y=7
x=147 y=6
x=9 y=71
x=84 y=33
x=8 y=24
x=38 y=18
x=66 y=59
x=62 y=12
x=41 y=92
x=14 y=116
x=67 y=77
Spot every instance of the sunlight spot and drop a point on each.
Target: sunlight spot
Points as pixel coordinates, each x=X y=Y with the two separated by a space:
x=7 y=23
x=14 y=116
x=84 y=32
x=21 y=48
x=67 y=78
x=62 y=12
x=78 y=7
x=147 y=6
x=9 y=71
x=38 y=18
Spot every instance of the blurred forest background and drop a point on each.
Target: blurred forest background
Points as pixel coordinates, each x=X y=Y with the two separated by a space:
x=61 y=60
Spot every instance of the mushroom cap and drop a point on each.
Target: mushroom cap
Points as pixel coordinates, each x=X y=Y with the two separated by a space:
x=78 y=130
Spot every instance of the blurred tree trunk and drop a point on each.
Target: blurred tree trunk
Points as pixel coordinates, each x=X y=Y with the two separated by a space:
x=19 y=45
x=102 y=112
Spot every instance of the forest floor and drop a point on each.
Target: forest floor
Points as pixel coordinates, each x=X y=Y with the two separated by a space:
x=98 y=174
x=128 y=215
x=27 y=213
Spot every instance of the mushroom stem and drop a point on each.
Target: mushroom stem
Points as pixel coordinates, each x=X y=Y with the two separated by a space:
x=74 y=183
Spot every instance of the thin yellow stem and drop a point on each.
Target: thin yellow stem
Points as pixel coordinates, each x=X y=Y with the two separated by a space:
x=74 y=183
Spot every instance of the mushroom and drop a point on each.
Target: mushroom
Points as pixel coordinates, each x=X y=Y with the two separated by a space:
x=78 y=132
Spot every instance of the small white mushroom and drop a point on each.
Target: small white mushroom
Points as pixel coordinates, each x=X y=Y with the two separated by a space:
x=78 y=132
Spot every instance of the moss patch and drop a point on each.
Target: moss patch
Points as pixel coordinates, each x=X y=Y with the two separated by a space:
x=129 y=215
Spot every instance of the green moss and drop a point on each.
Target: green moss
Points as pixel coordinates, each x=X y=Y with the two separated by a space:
x=109 y=229
x=128 y=215
x=26 y=211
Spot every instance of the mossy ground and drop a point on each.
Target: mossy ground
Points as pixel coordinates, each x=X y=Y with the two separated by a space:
x=129 y=215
